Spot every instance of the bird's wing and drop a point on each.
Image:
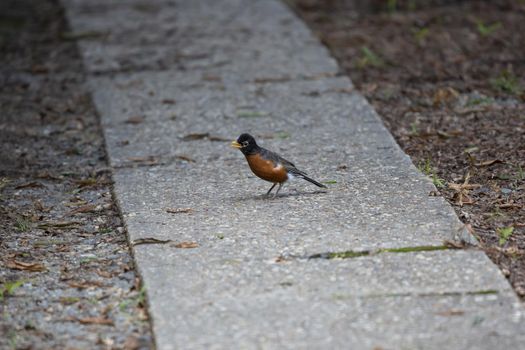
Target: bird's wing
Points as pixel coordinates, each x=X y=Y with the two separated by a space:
x=277 y=159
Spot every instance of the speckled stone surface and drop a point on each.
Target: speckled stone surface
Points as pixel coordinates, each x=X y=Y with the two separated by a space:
x=163 y=72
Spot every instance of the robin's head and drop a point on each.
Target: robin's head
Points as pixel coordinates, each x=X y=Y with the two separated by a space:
x=246 y=143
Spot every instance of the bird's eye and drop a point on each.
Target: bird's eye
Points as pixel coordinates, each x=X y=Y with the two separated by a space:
x=244 y=143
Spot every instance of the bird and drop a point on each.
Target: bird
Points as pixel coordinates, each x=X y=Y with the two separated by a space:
x=268 y=165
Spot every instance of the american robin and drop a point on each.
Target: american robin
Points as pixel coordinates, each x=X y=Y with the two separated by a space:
x=268 y=165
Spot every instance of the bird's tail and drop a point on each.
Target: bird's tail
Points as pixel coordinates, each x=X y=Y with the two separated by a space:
x=318 y=184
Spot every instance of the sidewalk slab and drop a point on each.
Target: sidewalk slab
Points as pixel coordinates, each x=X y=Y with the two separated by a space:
x=347 y=217
x=165 y=72
x=161 y=35
x=414 y=300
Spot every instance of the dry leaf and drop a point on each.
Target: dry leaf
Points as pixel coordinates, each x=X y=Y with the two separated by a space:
x=39 y=69
x=462 y=191
x=63 y=248
x=451 y=312
x=469 y=110
x=58 y=224
x=454 y=244
x=347 y=90
x=195 y=136
x=186 y=245
x=445 y=95
x=513 y=251
x=83 y=209
x=85 y=284
x=47 y=175
x=149 y=240
x=90 y=181
x=312 y=94
x=443 y=134
x=370 y=87
x=32 y=184
x=142 y=159
x=148 y=160
x=132 y=343
x=69 y=300
x=20 y=265
x=320 y=76
x=209 y=77
x=186 y=158
x=489 y=162
x=509 y=205
x=135 y=120
x=271 y=80
x=218 y=138
x=96 y=320
x=39 y=206
x=280 y=258
x=104 y=274
x=75 y=202
x=178 y=210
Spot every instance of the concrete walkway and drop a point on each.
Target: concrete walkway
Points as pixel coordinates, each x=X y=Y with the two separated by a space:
x=174 y=82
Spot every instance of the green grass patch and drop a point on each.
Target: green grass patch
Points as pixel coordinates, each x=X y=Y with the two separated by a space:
x=141 y=298
x=426 y=168
x=487 y=29
x=391 y=6
x=349 y=254
x=506 y=82
x=250 y=114
x=69 y=300
x=22 y=224
x=282 y=135
x=438 y=182
x=413 y=129
x=479 y=101
x=105 y=230
x=420 y=34
x=423 y=248
x=504 y=234
x=330 y=182
x=9 y=288
x=369 y=58
x=123 y=305
x=87 y=260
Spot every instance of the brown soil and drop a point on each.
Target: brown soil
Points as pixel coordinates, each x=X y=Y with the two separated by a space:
x=67 y=279
x=448 y=79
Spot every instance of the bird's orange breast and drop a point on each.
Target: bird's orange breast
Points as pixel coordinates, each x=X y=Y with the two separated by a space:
x=266 y=169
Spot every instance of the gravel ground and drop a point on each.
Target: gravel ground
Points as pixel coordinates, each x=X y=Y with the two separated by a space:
x=67 y=279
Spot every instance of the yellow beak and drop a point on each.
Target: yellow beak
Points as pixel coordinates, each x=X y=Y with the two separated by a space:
x=235 y=144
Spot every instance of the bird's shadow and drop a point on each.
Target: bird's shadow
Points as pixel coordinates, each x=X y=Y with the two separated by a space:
x=281 y=195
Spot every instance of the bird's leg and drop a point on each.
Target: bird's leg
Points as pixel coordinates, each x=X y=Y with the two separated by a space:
x=278 y=189
x=270 y=190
